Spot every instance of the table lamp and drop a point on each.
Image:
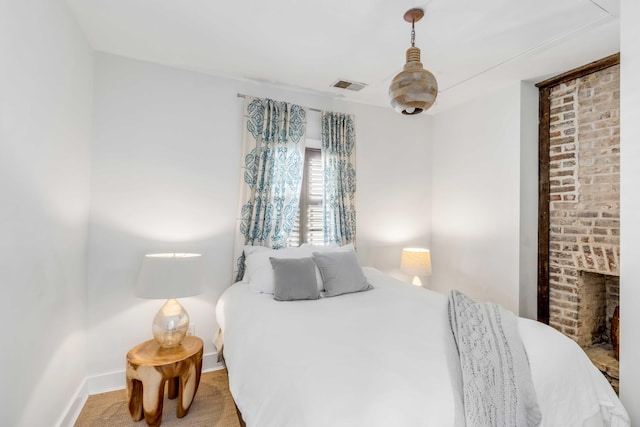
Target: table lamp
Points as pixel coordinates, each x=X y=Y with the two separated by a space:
x=416 y=262
x=170 y=276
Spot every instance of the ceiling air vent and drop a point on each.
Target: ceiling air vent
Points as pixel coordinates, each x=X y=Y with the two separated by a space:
x=346 y=84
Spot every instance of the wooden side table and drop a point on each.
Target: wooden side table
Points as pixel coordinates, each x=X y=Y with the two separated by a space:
x=148 y=368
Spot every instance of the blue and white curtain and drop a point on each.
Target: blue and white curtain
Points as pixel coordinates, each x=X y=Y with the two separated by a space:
x=273 y=138
x=339 y=158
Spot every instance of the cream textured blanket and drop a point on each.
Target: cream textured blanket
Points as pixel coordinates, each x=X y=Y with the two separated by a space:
x=494 y=377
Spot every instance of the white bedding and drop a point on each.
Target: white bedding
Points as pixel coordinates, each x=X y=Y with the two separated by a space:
x=377 y=358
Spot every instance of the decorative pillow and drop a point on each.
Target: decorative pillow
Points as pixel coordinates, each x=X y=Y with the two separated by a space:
x=258 y=270
x=341 y=273
x=333 y=247
x=259 y=273
x=294 y=279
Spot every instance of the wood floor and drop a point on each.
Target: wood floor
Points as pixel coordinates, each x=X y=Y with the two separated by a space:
x=212 y=406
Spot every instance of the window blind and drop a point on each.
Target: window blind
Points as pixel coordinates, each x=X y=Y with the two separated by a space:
x=309 y=225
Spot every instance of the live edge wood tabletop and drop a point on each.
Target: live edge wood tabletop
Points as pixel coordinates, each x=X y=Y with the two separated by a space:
x=150 y=366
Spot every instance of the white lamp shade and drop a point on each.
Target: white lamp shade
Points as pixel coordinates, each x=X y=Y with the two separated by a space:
x=416 y=262
x=171 y=275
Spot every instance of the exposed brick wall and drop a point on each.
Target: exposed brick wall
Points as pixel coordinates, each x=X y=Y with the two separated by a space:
x=584 y=199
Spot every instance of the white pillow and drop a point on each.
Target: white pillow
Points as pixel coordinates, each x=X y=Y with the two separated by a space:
x=321 y=248
x=248 y=250
x=258 y=271
x=329 y=248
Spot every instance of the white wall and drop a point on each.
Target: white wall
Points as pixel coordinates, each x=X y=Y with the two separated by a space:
x=630 y=208
x=165 y=177
x=477 y=195
x=394 y=185
x=45 y=133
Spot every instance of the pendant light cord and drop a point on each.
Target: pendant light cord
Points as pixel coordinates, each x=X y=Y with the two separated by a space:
x=413 y=33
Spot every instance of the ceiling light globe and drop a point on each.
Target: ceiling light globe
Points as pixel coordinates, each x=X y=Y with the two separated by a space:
x=414 y=89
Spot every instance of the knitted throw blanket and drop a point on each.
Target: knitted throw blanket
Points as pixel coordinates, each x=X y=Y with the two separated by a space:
x=494 y=377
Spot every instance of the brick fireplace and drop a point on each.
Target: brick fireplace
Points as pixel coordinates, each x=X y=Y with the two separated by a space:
x=584 y=209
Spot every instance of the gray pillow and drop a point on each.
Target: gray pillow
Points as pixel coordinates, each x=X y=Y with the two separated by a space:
x=294 y=279
x=341 y=273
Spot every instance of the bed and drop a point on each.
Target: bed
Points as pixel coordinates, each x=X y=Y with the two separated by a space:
x=380 y=357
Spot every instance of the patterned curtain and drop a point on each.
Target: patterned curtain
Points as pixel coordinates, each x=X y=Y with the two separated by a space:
x=273 y=135
x=339 y=157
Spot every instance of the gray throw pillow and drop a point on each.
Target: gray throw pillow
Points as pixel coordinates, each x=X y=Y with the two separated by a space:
x=341 y=273
x=294 y=279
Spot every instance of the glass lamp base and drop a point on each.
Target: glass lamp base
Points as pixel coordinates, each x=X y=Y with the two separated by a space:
x=171 y=324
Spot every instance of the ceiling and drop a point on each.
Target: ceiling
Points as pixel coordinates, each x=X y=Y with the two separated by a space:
x=470 y=46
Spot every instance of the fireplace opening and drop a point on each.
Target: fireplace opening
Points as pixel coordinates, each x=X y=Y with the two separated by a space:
x=599 y=297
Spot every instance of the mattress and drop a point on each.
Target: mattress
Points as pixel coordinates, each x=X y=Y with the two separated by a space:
x=378 y=358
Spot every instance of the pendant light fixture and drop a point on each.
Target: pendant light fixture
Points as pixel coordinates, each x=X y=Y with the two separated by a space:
x=414 y=89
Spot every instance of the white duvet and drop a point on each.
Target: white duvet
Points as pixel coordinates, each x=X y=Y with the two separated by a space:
x=378 y=358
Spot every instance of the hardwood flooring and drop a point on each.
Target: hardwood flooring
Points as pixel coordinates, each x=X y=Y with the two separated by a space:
x=212 y=406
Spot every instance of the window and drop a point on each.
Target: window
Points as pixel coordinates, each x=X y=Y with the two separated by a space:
x=309 y=225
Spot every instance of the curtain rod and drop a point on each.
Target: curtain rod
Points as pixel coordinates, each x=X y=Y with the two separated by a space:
x=241 y=95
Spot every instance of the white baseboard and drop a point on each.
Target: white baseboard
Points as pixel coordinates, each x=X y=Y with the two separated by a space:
x=74 y=407
x=112 y=381
x=210 y=362
x=106 y=382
